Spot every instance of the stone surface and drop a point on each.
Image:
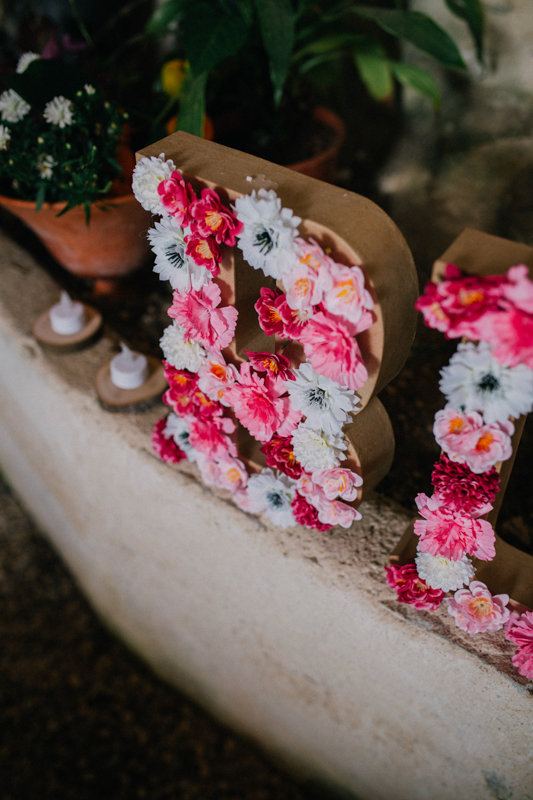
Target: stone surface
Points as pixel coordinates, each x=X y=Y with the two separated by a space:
x=290 y=636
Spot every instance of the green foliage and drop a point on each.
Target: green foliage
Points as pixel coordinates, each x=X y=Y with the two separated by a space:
x=472 y=13
x=210 y=35
x=276 y=22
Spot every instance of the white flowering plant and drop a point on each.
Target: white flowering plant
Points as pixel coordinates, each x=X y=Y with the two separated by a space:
x=59 y=136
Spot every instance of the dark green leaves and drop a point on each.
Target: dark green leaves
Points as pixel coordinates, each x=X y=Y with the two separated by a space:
x=192 y=107
x=417 y=79
x=164 y=15
x=210 y=35
x=374 y=69
x=418 y=29
x=276 y=22
x=472 y=13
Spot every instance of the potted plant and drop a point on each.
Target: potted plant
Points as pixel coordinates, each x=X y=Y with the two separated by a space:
x=65 y=170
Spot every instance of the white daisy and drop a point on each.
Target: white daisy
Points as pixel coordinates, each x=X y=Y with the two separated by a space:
x=5 y=136
x=273 y=494
x=178 y=429
x=171 y=263
x=59 y=112
x=25 y=60
x=89 y=89
x=45 y=165
x=147 y=176
x=315 y=449
x=324 y=403
x=12 y=107
x=268 y=237
x=443 y=573
x=179 y=352
x=475 y=381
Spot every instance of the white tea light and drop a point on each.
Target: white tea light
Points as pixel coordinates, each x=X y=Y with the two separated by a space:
x=129 y=370
x=68 y=316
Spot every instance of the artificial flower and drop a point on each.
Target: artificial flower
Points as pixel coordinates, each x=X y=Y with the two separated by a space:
x=232 y=474
x=335 y=483
x=316 y=449
x=476 y=381
x=273 y=494
x=511 y=335
x=208 y=435
x=309 y=278
x=268 y=235
x=184 y=395
x=411 y=588
x=209 y=218
x=45 y=165
x=475 y=610
x=147 y=175
x=448 y=533
x=171 y=262
x=216 y=378
x=325 y=405
x=25 y=60
x=205 y=252
x=444 y=573
x=277 y=366
x=520 y=631
x=177 y=428
x=465 y=438
x=180 y=351
x=348 y=297
x=59 y=112
x=176 y=196
x=518 y=288
x=294 y=319
x=306 y=514
x=459 y=488
x=333 y=352
x=12 y=107
x=5 y=136
x=164 y=445
x=202 y=321
x=279 y=454
x=258 y=406
x=267 y=308
x=333 y=512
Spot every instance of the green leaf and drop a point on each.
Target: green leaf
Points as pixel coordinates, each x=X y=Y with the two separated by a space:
x=472 y=13
x=192 y=108
x=277 y=22
x=416 y=28
x=418 y=79
x=374 y=70
x=164 y=16
x=40 y=196
x=44 y=79
x=329 y=43
x=210 y=35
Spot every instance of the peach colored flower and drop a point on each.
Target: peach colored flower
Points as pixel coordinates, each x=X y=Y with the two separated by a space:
x=348 y=297
x=333 y=352
x=464 y=438
x=341 y=483
x=451 y=534
x=475 y=610
x=215 y=378
x=309 y=278
x=200 y=318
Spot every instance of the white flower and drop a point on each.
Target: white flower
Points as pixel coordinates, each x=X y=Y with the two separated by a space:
x=171 y=263
x=147 y=176
x=268 y=237
x=317 y=449
x=12 y=107
x=475 y=381
x=179 y=352
x=443 y=573
x=59 y=112
x=89 y=89
x=5 y=136
x=45 y=165
x=324 y=403
x=178 y=429
x=25 y=60
x=273 y=494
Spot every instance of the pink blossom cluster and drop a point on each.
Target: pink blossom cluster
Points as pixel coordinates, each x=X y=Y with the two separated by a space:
x=326 y=490
x=165 y=446
x=452 y=534
x=497 y=309
x=476 y=610
x=467 y=439
x=457 y=487
x=411 y=589
x=519 y=630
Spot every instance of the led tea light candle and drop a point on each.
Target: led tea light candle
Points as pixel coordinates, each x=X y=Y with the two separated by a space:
x=129 y=370
x=68 y=316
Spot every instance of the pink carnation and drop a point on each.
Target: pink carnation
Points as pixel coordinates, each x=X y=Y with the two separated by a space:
x=465 y=438
x=518 y=289
x=333 y=352
x=338 y=483
x=209 y=218
x=279 y=454
x=330 y=510
x=306 y=514
x=411 y=589
x=208 y=436
x=202 y=321
x=165 y=446
x=216 y=378
x=277 y=366
x=205 y=252
x=475 y=610
x=451 y=534
x=176 y=197
x=348 y=297
x=259 y=407
x=457 y=487
x=184 y=395
x=520 y=631
x=267 y=308
x=511 y=335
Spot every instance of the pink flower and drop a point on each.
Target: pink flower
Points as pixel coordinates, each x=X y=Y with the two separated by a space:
x=259 y=407
x=338 y=483
x=215 y=378
x=333 y=352
x=330 y=510
x=205 y=252
x=411 y=589
x=202 y=321
x=519 y=289
x=475 y=610
x=464 y=438
x=451 y=534
x=267 y=308
x=306 y=514
x=294 y=319
x=333 y=512
x=520 y=631
x=165 y=446
x=277 y=366
x=457 y=487
x=511 y=335
x=176 y=197
x=208 y=436
x=224 y=473
x=348 y=297
x=310 y=277
x=209 y=218
x=184 y=395
x=279 y=454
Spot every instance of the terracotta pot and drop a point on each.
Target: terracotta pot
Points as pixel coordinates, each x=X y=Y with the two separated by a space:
x=323 y=165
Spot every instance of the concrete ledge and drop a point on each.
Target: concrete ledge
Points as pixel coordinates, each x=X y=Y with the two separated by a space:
x=291 y=636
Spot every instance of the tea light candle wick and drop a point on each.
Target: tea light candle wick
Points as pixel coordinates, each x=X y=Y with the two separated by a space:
x=68 y=316
x=129 y=370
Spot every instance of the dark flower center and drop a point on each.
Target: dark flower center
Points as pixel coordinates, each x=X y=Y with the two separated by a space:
x=174 y=254
x=316 y=397
x=264 y=240
x=488 y=383
x=274 y=499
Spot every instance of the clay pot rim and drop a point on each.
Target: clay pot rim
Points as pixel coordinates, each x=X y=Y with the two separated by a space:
x=17 y=201
x=333 y=121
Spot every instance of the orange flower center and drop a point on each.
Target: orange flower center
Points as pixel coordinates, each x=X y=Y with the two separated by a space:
x=218 y=371
x=302 y=287
x=273 y=314
x=481 y=607
x=345 y=291
x=456 y=425
x=181 y=380
x=311 y=261
x=468 y=296
x=233 y=475
x=213 y=220
x=438 y=312
x=204 y=249
x=485 y=442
